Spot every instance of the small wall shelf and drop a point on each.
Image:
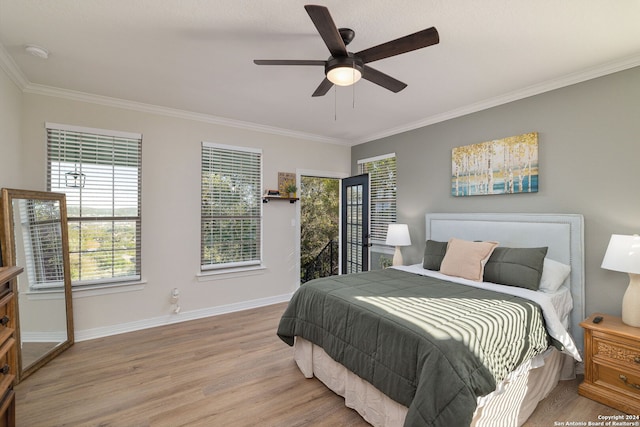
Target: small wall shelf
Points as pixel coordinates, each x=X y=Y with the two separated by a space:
x=265 y=199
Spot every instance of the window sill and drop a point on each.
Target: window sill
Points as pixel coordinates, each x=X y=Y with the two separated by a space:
x=43 y=295
x=108 y=288
x=208 y=275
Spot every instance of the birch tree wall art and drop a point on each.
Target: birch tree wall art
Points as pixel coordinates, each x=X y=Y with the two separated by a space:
x=502 y=166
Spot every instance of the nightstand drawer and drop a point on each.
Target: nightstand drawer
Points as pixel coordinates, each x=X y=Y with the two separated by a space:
x=5 y=302
x=617 y=379
x=611 y=366
x=621 y=351
x=7 y=372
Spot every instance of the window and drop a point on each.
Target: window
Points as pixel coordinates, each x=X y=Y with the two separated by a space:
x=231 y=209
x=100 y=173
x=40 y=224
x=382 y=193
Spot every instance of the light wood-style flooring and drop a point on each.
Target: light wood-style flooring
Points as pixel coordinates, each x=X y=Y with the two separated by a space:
x=228 y=370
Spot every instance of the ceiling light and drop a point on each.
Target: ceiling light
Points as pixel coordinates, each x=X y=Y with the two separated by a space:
x=38 y=51
x=344 y=76
x=344 y=71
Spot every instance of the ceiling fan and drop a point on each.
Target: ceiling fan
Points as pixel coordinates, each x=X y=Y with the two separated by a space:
x=345 y=68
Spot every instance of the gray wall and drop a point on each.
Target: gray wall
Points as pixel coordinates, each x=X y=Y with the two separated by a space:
x=589 y=146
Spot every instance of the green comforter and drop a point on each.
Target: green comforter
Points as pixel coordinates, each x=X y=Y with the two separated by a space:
x=431 y=345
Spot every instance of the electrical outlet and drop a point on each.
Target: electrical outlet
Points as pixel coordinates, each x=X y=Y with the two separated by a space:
x=175 y=296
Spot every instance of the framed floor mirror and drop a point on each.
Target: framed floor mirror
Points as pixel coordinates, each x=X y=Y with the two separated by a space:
x=34 y=236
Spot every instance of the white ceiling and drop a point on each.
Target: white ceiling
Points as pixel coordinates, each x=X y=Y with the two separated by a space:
x=194 y=57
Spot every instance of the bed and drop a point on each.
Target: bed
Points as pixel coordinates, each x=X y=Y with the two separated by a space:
x=363 y=335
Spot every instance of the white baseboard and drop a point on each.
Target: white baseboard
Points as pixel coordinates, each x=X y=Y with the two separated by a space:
x=183 y=316
x=51 y=336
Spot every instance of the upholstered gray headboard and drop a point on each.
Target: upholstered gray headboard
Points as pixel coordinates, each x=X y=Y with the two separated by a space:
x=561 y=233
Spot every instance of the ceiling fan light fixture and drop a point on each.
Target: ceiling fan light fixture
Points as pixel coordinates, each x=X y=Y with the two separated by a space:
x=344 y=68
x=344 y=71
x=344 y=76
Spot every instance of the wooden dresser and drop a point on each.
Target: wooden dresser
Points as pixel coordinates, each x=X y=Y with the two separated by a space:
x=8 y=357
x=612 y=363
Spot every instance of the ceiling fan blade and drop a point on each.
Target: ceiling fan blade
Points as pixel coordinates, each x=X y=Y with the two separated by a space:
x=382 y=79
x=404 y=44
x=323 y=88
x=327 y=28
x=288 y=62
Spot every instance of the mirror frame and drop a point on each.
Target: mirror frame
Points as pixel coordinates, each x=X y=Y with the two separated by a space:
x=7 y=241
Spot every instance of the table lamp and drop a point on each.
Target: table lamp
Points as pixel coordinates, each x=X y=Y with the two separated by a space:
x=398 y=235
x=623 y=254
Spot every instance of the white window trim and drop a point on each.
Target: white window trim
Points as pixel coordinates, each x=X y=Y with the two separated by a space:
x=240 y=265
x=113 y=288
x=225 y=273
x=102 y=286
x=376 y=158
x=82 y=129
x=88 y=290
x=234 y=148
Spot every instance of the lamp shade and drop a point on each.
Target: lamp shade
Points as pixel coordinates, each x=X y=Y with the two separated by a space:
x=398 y=235
x=623 y=254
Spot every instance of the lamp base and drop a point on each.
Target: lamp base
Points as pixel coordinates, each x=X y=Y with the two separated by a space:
x=397 y=257
x=631 y=302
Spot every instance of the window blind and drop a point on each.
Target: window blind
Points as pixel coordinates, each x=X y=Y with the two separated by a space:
x=382 y=193
x=231 y=208
x=42 y=237
x=100 y=173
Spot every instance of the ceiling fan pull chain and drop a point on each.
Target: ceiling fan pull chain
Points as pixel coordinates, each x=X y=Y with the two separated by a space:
x=335 y=104
x=353 y=87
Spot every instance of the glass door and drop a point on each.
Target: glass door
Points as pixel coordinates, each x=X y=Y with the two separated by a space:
x=355 y=224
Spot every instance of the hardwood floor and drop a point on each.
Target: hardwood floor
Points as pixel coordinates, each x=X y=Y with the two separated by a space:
x=229 y=370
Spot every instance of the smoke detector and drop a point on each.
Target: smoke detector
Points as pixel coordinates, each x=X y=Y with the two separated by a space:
x=37 y=51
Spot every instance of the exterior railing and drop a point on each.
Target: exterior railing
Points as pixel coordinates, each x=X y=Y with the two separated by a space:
x=323 y=265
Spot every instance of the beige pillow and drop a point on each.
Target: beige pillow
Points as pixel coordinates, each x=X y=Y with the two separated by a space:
x=466 y=259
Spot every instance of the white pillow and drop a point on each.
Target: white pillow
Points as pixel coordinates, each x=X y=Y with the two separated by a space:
x=554 y=274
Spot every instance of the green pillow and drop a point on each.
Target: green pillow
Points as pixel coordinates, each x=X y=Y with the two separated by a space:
x=433 y=255
x=520 y=267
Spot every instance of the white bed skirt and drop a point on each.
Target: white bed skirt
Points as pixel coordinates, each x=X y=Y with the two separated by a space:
x=510 y=405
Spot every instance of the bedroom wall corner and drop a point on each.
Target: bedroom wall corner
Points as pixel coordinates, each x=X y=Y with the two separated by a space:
x=10 y=132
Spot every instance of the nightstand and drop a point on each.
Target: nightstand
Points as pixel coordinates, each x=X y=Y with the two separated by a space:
x=612 y=363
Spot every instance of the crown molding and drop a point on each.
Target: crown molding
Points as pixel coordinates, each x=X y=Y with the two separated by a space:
x=536 y=89
x=8 y=65
x=11 y=69
x=172 y=112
